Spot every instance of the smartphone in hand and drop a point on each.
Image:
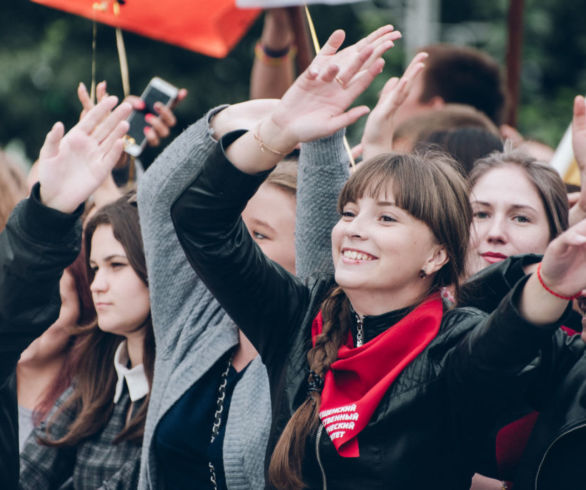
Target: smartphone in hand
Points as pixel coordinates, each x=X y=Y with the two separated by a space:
x=158 y=90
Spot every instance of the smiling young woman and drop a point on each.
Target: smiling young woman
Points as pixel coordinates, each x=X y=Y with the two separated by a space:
x=369 y=374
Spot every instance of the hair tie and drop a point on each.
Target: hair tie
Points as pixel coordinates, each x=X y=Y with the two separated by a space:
x=315 y=382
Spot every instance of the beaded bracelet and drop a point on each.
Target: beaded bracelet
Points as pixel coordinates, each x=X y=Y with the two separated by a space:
x=272 y=57
x=550 y=291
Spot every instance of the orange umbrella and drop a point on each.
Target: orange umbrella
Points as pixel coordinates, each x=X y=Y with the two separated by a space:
x=211 y=27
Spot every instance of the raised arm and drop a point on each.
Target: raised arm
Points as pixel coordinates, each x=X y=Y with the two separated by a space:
x=167 y=265
x=41 y=238
x=323 y=169
x=261 y=297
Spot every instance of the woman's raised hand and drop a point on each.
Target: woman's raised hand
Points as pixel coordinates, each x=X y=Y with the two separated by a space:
x=73 y=165
x=563 y=275
x=316 y=105
x=378 y=131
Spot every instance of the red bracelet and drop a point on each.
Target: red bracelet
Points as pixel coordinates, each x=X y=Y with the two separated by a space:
x=550 y=291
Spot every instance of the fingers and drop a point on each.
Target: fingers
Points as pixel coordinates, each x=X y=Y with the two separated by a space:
x=333 y=43
x=381 y=32
x=101 y=91
x=347 y=118
x=110 y=146
x=136 y=102
x=355 y=64
x=152 y=137
x=84 y=97
x=97 y=114
x=113 y=155
x=166 y=115
x=579 y=108
x=180 y=97
x=107 y=126
x=50 y=147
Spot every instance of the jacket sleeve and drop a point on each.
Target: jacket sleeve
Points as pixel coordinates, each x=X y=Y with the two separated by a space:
x=36 y=245
x=263 y=299
x=505 y=361
x=167 y=265
x=486 y=289
x=323 y=171
x=43 y=466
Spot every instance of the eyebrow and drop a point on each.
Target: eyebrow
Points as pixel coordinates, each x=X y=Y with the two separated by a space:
x=109 y=258
x=386 y=203
x=260 y=222
x=514 y=206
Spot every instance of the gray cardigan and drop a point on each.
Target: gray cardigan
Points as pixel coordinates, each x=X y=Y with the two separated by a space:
x=191 y=330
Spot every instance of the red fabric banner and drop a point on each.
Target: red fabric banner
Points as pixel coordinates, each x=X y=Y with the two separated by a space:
x=211 y=27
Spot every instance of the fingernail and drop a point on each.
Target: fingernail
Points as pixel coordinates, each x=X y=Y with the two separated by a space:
x=140 y=105
x=146 y=131
x=158 y=106
x=149 y=118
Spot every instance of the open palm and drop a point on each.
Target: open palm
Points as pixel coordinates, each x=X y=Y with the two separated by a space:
x=72 y=166
x=316 y=104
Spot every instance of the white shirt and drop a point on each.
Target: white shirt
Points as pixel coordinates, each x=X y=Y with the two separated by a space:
x=136 y=380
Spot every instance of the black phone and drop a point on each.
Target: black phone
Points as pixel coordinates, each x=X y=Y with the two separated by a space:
x=158 y=90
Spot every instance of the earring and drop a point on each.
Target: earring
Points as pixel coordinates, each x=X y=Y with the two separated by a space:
x=422 y=274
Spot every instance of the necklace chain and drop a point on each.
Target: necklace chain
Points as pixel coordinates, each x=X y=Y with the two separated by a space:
x=218 y=416
x=359 y=330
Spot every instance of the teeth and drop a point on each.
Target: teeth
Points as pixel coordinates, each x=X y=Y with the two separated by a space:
x=354 y=255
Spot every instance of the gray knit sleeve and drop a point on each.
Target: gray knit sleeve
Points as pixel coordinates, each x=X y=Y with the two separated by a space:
x=178 y=296
x=323 y=170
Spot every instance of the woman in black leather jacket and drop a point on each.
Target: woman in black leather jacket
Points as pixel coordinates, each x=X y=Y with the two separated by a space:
x=400 y=407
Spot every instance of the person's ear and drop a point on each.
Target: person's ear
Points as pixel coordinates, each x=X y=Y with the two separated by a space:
x=437 y=259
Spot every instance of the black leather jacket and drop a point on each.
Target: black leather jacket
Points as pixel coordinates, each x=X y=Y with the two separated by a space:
x=423 y=433
x=35 y=247
x=551 y=459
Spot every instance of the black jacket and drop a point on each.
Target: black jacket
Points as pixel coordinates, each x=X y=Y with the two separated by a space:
x=423 y=433
x=35 y=247
x=552 y=457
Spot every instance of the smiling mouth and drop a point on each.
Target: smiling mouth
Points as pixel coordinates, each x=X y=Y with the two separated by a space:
x=357 y=256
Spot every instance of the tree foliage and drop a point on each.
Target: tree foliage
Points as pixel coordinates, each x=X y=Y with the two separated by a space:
x=45 y=53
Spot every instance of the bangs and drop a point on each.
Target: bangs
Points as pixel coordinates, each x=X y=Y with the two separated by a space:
x=404 y=176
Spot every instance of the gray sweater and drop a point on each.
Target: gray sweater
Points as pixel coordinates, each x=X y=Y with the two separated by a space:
x=191 y=330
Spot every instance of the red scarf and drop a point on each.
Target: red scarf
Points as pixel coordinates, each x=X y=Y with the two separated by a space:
x=356 y=382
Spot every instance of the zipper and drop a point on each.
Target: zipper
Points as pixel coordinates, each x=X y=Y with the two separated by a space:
x=359 y=329
x=553 y=443
x=321 y=467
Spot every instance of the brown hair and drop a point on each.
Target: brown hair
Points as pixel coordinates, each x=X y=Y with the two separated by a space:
x=447 y=213
x=544 y=178
x=464 y=75
x=284 y=176
x=95 y=378
x=12 y=187
x=87 y=315
x=451 y=116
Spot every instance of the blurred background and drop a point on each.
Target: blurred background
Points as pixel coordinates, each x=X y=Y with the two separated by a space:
x=45 y=53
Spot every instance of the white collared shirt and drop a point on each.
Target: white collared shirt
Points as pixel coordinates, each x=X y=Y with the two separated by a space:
x=136 y=380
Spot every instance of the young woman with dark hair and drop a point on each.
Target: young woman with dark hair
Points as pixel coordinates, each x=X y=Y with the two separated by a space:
x=93 y=435
x=41 y=238
x=370 y=358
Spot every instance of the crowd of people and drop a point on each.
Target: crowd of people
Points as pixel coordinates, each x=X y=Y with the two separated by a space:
x=259 y=311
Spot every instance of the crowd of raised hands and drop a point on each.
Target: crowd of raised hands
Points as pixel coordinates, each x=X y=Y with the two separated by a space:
x=180 y=302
